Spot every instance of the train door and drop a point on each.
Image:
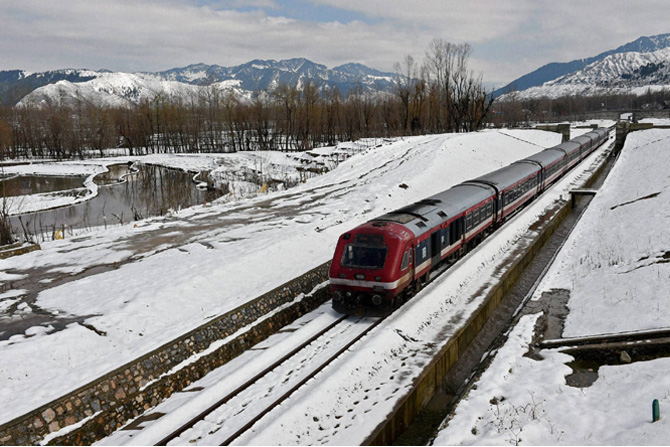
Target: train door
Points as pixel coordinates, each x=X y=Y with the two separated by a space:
x=435 y=247
x=499 y=204
x=456 y=231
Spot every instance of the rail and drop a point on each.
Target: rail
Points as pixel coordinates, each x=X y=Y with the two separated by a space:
x=266 y=408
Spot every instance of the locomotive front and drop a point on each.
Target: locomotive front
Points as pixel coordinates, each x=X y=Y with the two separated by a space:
x=369 y=269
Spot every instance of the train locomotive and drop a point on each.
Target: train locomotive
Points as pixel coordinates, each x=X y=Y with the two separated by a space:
x=382 y=263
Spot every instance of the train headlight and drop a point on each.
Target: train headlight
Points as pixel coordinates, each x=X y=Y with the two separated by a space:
x=376 y=300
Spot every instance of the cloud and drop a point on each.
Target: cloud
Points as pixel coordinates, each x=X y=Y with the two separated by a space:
x=151 y=35
x=509 y=38
x=461 y=21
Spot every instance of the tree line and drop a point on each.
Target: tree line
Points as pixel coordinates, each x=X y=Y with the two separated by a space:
x=441 y=95
x=514 y=111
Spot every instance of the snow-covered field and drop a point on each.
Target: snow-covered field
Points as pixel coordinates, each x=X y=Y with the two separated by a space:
x=615 y=268
x=162 y=291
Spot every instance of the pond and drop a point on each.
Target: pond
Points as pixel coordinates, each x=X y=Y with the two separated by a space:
x=150 y=191
x=35 y=184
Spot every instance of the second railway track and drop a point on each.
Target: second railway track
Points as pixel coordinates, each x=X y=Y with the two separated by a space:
x=232 y=400
x=246 y=405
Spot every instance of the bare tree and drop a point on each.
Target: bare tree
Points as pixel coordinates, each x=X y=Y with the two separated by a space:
x=6 y=236
x=406 y=74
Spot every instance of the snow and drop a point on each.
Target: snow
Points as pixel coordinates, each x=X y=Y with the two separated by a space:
x=122 y=89
x=360 y=390
x=614 y=266
x=159 y=291
x=615 y=259
x=607 y=77
x=234 y=170
x=521 y=401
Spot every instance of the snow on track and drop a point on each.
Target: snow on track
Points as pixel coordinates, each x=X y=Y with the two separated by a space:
x=168 y=285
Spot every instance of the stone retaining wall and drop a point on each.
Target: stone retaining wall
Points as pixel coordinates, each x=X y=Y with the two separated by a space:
x=107 y=403
x=17 y=249
x=432 y=377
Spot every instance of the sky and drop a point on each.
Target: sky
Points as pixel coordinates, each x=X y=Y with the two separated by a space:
x=508 y=38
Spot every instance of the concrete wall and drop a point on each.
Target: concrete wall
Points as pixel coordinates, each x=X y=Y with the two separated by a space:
x=432 y=377
x=623 y=128
x=125 y=393
x=563 y=129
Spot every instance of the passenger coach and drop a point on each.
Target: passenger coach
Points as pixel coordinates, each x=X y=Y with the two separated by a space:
x=380 y=264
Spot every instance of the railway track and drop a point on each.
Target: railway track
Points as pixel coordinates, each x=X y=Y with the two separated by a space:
x=239 y=410
x=235 y=411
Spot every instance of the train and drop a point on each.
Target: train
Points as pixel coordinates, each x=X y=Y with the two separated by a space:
x=380 y=264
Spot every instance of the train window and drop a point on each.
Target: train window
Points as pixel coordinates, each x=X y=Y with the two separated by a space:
x=405 y=261
x=468 y=222
x=362 y=256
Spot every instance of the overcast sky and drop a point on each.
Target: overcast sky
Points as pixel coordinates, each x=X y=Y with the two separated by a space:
x=509 y=38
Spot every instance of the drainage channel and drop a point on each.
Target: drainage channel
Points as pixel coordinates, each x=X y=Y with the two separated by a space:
x=478 y=355
x=592 y=352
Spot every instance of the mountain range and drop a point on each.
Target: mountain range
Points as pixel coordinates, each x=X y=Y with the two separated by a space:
x=630 y=68
x=115 y=88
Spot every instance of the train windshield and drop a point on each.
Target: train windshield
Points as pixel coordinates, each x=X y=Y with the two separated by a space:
x=363 y=256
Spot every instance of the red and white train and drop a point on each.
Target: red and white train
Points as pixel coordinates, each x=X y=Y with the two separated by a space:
x=380 y=264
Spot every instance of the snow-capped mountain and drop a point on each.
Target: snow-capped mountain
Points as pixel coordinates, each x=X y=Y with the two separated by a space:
x=122 y=89
x=588 y=76
x=264 y=74
x=619 y=73
x=113 y=88
x=15 y=84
